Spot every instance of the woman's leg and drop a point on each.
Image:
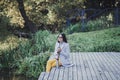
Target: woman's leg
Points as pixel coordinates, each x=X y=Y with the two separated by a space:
x=49 y=64
x=54 y=64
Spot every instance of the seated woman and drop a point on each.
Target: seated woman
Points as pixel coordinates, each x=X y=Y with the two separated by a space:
x=61 y=54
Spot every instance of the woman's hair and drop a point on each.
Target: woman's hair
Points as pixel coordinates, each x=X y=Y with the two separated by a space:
x=64 y=37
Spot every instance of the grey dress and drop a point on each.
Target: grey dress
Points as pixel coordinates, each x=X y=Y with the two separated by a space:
x=64 y=54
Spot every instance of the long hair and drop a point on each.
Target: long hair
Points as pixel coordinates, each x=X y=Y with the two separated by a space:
x=64 y=37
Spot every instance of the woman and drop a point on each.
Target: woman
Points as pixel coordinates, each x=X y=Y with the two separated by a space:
x=61 y=54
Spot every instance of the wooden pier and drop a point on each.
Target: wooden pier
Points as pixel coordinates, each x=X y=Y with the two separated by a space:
x=88 y=66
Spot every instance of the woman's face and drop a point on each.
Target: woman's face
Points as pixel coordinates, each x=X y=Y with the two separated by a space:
x=60 y=38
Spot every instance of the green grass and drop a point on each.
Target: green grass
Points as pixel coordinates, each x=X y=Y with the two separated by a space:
x=106 y=40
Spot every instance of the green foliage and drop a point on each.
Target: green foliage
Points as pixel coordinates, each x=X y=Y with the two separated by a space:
x=32 y=56
x=36 y=45
x=0 y=66
x=98 y=24
x=103 y=41
x=46 y=12
x=10 y=10
x=92 y=25
x=41 y=41
x=4 y=21
x=98 y=4
x=29 y=57
x=51 y=14
x=33 y=66
x=73 y=28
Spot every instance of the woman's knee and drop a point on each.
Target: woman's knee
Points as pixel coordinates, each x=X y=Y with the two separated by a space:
x=50 y=61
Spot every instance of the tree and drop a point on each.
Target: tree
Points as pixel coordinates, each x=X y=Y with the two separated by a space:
x=101 y=4
x=28 y=23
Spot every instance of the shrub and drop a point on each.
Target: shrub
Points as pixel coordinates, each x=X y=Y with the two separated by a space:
x=4 y=21
x=32 y=55
x=92 y=25
x=29 y=57
x=98 y=24
x=73 y=28
x=32 y=66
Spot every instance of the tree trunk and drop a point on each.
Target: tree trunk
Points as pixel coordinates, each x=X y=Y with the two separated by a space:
x=28 y=23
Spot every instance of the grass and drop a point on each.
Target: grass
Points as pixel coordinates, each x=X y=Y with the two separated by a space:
x=106 y=40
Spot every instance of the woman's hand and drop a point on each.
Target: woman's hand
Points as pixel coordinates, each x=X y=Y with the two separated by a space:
x=59 y=50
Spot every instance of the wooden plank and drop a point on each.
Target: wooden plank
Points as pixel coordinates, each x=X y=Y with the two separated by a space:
x=66 y=73
x=96 y=67
x=52 y=72
x=107 y=74
x=41 y=77
x=87 y=66
x=116 y=65
x=89 y=60
x=112 y=65
x=84 y=74
x=61 y=73
x=115 y=59
x=74 y=67
x=70 y=76
x=112 y=61
x=101 y=67
x=90 y=71
x=79 y=70
x=56 y=75
x=116 y=56
x=46 y=76
x=105 y=67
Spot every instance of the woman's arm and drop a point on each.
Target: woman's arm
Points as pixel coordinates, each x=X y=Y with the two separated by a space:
x=55 y=50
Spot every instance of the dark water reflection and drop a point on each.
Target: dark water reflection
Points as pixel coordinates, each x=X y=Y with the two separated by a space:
x=10 y=76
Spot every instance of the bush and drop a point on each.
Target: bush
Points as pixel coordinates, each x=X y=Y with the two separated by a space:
x=92 y=25
x=98 y=24
x=4 y=21
x=32 y=66
x=73 y=28
x=30 y=57
x=7 y=59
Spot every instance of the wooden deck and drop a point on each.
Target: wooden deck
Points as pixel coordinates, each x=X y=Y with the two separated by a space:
x=88 y=66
